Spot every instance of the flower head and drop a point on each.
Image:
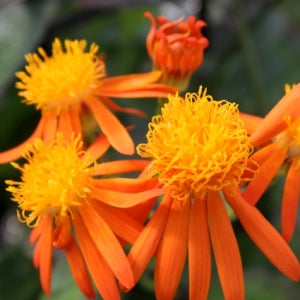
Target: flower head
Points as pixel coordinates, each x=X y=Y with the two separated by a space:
x=71 y=81
x=200 y=153
x=70 y=75
x=176 y=48
x=277 y=137
x=70 y=206
x=218 y=149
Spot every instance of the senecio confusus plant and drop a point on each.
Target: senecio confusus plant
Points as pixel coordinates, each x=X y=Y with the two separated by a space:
x=199 y=167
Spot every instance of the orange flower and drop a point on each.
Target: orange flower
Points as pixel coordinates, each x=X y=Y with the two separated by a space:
x=199 y=149
x=70 y=207
x=71 y=79
x=278 y=136
x=176 y=48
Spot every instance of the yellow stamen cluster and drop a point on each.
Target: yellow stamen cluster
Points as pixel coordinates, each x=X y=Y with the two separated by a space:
x=55 y=180
x=197 y=145
x=64 y=79
x=290 y=138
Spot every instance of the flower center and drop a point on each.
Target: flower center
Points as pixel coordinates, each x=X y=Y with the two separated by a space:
x=63 y=80
x=54 y=180
x=197 y=145
x=290 y=138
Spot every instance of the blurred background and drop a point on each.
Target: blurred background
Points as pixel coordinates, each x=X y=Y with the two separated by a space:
x=253 y=52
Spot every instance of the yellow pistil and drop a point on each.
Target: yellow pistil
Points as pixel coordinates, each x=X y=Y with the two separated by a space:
x=62 y=80
x=55 y=180
x=197 y=145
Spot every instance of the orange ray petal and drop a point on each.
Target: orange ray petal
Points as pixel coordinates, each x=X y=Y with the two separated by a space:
x=98 y=147
x=62 y=234
x=120 y=166
x=50 y=127
x=122 y=199
x=172 y=251
x=145 y=246
x=251 y=121
x=16 y=152
x=108 y=245
x=199 y=251
x=151 y=32
x=290 y=201
x=65 y=125
x=75 y=120
x=79 y=270
x=45 y=265
x=129 y=185
x=129 y=81
x=226 y=250
x=264 y=153
x=114 y=106
x=37 y=254
x=122 y=224
x=274 y=121
x=257 y=159
x=264 y=235
x=263 y=178
x=99 y=269
x=35 y=233
x=111 y=127
x=152 y=91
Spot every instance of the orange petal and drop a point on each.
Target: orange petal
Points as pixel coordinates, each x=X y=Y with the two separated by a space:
x=37 y=254
x=130 y=81
x=226 y=250
x=98 y=268
x=199 y=251
x=120 y=166
x=172 y=251
x=122 y=199
x=35 y=233
x=274 y=121
x=290 y=201
x=114 y=106
x=122 y=224
x=75 y=120
x=111 y=127
x=16 y=152
x=251 y=121
x=62 y=234
x=45 y=264
x=263 y=178
x=146 y=244
x=50 y=127
x=107 y=244
x=152 y=91
x=141 y=211
x=79 y=270
x=65 y=125
x=98 y=147
x=264 y=235
x=264 y=153
x=129 y=185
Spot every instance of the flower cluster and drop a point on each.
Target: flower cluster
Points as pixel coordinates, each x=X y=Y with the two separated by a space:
x=202 y=163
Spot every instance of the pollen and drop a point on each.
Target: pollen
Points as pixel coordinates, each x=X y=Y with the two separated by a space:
x=197 y=145
x=55 y=180
x=64 y=79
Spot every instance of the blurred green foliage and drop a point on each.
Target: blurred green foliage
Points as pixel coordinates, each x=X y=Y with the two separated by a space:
x=254 y=51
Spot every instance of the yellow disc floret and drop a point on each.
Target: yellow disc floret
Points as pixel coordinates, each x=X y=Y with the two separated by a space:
x=55 y=180
x=197 y=145
x=64 y=79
